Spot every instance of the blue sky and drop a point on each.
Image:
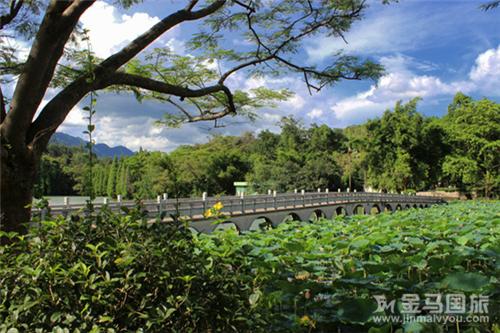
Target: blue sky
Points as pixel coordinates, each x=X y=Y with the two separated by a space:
x=430 y=49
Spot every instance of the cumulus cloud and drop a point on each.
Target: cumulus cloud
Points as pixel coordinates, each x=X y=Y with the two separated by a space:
x=402 y=83
x=109 y=30
x=486 y=72
x=76 y=117
x=315 y=113
x=133 y=133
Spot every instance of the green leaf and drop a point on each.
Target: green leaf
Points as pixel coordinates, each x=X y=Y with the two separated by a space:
x=356 y=311
x=465 y=281
x=254 y=298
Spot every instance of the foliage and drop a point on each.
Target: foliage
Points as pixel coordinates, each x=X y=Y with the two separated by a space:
x=117 y=273
x=396 y=148
x=114 y=273
x=473 y=129
x=324 y=275
x=401 y=151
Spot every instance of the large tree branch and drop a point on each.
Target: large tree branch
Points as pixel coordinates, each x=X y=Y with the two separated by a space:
x=137 y=45
x=57 y=25
x=54 y=113
x=3 y=112
x=137 y=81
x=14 y=8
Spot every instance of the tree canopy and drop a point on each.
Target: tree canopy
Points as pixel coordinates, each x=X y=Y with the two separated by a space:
x=56 y=58
x=402 y=151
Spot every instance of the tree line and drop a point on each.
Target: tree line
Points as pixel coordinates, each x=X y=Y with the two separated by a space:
x=401 y=151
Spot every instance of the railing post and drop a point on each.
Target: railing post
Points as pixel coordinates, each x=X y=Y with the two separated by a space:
x=274 y=199
x=242 y=199
x=303 y=192
x=338 y=190
x=269 y=192
x=204 y=198
x=165 y=198
x=66 y=206
x=295 y=198
x=158 y=201
x=327 y=195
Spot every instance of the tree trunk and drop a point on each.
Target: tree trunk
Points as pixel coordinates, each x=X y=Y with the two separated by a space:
x=17 y=175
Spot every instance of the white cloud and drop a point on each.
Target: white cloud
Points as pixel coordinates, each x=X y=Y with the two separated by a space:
x=132 y=132
x=296 y=102
x=486 y=72
x=76 y=117
x=402 y=83
x=109 y=30
x=315 y=113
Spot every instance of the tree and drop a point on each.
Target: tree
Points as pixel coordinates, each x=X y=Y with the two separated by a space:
x=394 y=147
x=473 y=134
x=275 y=32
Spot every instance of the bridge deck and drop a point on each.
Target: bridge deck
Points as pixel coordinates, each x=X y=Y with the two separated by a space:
x=235 y=206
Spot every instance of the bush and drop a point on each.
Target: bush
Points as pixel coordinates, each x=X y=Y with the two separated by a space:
x=117 y=273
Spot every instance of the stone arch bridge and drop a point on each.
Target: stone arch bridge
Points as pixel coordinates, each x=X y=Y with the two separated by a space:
x=261 y=211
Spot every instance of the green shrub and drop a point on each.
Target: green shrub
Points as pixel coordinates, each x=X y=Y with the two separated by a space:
x=117 y=273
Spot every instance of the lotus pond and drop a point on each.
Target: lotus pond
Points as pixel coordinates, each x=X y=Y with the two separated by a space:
x=325 y=276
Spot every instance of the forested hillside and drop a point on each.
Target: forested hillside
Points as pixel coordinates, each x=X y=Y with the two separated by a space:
x=401 y=151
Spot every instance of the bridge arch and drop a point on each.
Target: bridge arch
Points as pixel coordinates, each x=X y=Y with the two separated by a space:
x=398 y=207
x=358 y=210
x=316 y=215
x=291 y=216
x=388 y=208
x=375 y=209
x=340 y=210
x=261 y=223
x=407 y=206
x=227 y=225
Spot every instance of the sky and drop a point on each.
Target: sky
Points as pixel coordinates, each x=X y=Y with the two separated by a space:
x=430 y=49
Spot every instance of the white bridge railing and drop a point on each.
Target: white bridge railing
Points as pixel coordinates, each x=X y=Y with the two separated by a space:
x=194 y=209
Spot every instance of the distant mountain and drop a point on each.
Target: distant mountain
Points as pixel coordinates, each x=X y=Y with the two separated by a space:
x=100 y=149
